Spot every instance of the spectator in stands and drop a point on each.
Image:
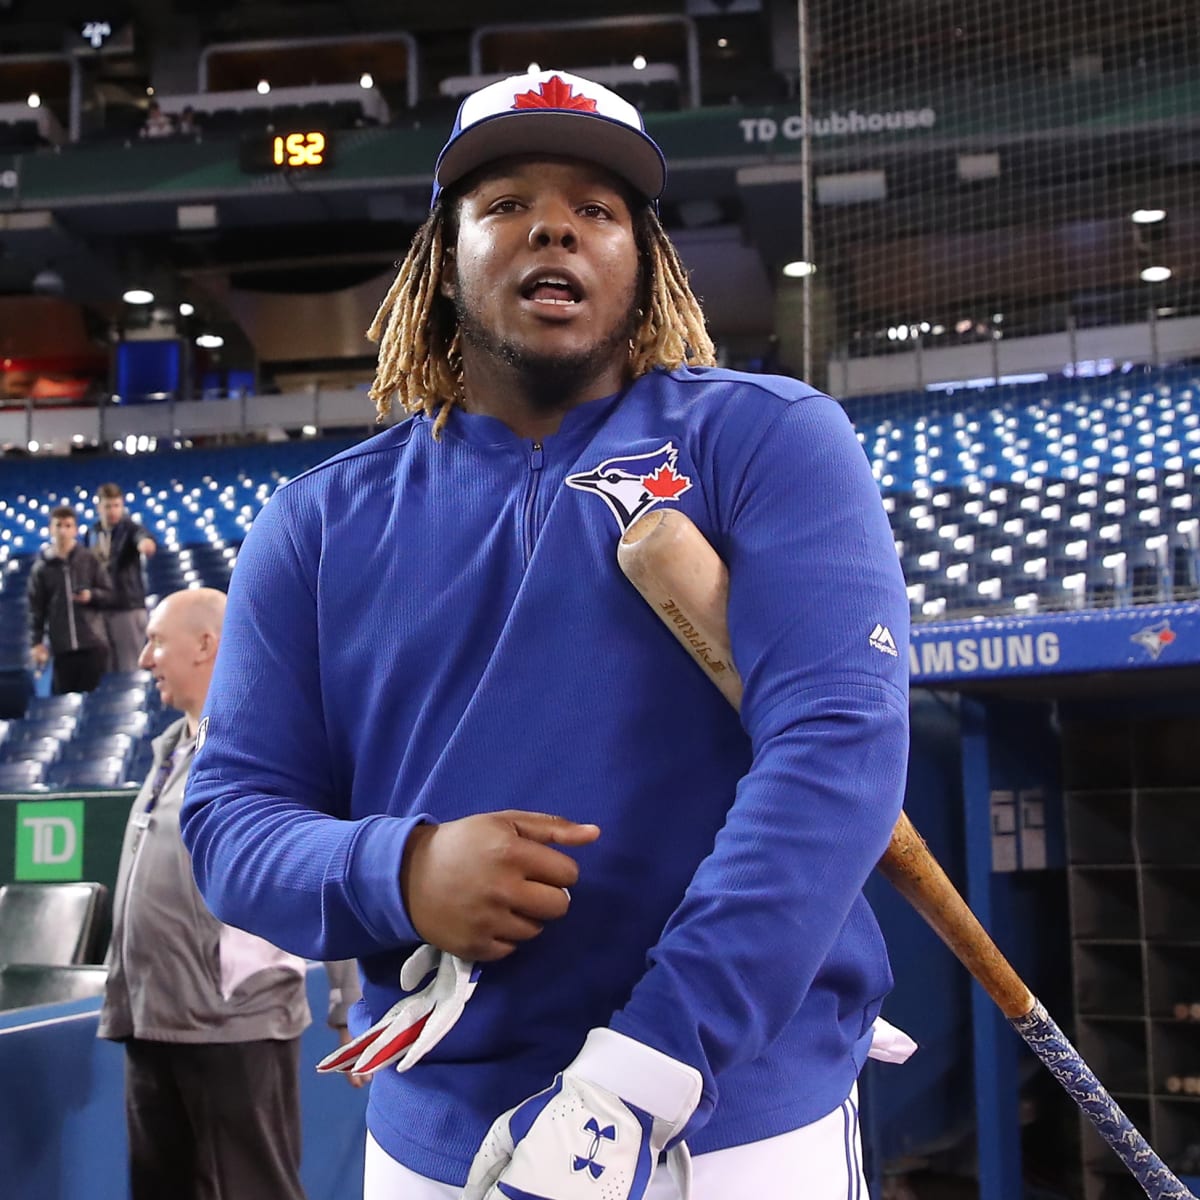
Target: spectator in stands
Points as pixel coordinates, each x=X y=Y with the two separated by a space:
x=210 y=1016
x=188 y=126
x=120 y=543
x=67 y=589
x=158 y=123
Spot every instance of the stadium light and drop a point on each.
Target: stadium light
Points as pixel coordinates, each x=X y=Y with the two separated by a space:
x=639 y=62
x=210 y=341
x=1147 y=216
x=1156 y=274
x=263 y=87
x=366 y=81
x=137 y=295
x=186 y=309
x=799 y=269
x=34 y=100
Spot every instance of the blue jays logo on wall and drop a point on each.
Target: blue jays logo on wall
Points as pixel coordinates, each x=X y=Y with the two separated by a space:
x=634 y=484
x=1154 y=639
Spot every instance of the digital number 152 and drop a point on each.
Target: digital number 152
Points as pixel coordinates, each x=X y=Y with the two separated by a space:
x=300 y=150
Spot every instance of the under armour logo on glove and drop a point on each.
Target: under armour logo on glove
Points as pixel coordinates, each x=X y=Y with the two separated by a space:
x=628 y=1100
x=414 y=1025
x=589 y=1163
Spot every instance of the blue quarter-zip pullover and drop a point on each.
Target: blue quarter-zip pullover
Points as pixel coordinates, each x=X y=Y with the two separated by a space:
x=422 y=630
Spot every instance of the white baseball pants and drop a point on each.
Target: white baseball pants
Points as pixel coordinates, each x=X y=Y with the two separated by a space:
x=821 y=1161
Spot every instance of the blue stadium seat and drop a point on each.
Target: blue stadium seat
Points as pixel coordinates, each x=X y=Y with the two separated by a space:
x=98 y=703
x=1184 y=568
x=21 y=776
x=96 y=746
x=134 y=723
x=67 y=704
x=123 y=681
x=33 y=728
x=42 y=749
x=1148 y=570
x=92 y=773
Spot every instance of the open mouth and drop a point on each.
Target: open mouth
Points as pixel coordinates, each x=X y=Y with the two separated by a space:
x=552 y=289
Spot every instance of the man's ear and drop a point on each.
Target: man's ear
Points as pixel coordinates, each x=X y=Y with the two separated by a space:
x=208 y=646
x=449 y=282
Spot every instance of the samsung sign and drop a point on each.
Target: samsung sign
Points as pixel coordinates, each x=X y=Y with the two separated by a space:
x=1000 y=652
x=1059 y=643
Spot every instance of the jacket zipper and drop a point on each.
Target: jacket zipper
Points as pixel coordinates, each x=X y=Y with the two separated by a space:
x=536 y=457
x=70 y=606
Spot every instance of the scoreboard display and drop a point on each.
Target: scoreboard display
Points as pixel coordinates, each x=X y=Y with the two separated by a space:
x=303 y=150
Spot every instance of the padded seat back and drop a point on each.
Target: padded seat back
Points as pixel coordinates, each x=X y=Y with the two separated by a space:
x=51 y=924
x=23 y=985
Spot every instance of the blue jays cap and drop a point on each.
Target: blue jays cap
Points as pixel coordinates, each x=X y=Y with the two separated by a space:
x=551 y=112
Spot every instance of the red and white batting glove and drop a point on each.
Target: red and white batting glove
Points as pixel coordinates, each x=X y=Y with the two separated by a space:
x=596 y=1131
x=415 y=1024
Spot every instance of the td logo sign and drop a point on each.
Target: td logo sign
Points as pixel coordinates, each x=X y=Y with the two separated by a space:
x=49 y=840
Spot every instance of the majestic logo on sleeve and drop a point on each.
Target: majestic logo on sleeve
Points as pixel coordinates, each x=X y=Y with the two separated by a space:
x=634 y=484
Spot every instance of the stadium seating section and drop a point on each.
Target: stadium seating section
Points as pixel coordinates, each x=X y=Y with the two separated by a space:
x=1001 y=500
x=1028 y=499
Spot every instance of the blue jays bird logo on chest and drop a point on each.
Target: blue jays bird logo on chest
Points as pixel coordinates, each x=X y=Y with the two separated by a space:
x=635 y=483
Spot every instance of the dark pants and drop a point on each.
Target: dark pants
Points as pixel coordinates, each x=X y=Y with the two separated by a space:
x=78 y=670
x=213 y=1122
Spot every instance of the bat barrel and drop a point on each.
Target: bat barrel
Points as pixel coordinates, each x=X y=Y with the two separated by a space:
x=913 y=871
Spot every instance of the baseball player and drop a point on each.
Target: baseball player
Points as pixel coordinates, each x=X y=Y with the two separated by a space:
x=612 y=937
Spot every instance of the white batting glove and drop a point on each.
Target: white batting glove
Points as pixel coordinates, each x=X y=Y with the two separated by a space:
x=415 y=1024
x=596 y=1131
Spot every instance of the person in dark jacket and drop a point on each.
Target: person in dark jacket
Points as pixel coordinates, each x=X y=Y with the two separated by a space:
x=120 y=543
x=68 y=588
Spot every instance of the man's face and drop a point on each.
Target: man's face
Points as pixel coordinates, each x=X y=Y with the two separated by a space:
x=171 y=655
x=64 y=531
x=544 y=274
x=112 y=509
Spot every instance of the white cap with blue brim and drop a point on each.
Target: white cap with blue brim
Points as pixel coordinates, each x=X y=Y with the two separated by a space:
x=551 y=112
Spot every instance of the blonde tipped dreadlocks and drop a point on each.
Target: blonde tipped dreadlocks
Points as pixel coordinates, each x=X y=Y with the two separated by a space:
x=419 y=359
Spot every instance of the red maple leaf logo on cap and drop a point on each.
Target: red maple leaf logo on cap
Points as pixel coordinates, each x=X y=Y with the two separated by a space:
x=554 y=93
x=665 y=483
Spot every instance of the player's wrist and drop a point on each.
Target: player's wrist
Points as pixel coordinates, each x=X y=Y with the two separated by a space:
x=411 y=859
x=669 y=1090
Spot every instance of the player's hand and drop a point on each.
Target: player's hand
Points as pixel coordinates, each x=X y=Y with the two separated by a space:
x=147 y=546
x=592 y=1132
x=479 y=886
x=41 y=654
x=83 y=597
x=415 y=1024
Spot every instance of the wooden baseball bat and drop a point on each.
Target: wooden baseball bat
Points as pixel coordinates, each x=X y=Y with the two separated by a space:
x=684 y=581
